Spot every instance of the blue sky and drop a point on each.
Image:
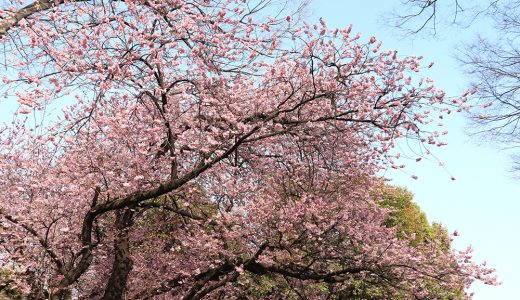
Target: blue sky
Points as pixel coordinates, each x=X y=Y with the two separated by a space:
x=482 y=204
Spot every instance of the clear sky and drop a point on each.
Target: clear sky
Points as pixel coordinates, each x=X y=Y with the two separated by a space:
x=483 y=203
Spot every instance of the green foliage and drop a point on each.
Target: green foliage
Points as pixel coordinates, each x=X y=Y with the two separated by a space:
x=8 y=289
x=406 y=215
x=412 y=224
x=360 y=290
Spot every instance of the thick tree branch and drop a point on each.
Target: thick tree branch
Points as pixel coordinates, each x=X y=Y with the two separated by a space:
x=43 y=242
x=27 y=11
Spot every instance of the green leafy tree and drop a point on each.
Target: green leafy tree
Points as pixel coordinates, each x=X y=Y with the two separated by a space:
x=410 y=223
x=7 y=285
x=408 y=218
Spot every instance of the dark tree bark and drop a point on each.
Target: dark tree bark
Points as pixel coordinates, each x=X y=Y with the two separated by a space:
x=123 y=263
x=63 y=295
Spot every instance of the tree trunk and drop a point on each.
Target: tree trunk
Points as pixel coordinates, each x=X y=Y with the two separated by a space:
x=122 y=261
x=64 y=294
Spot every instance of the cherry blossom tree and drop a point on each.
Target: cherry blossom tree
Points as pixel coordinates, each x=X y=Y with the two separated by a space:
x=203 y=149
